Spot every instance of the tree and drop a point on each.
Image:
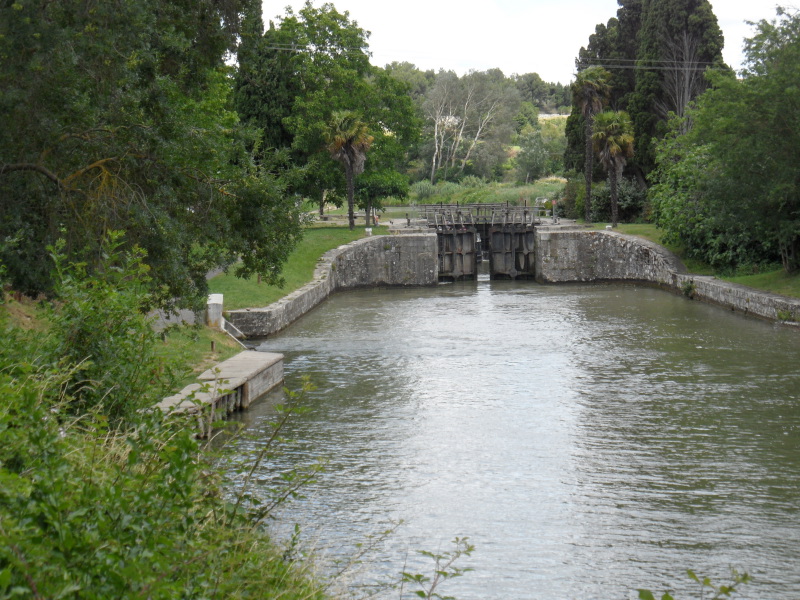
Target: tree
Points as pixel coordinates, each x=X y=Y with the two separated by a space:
x=678 y=41
x=140 y=138
x=466 y=115
x=657 y=54
x=348 y=141
x=590 y=92
x=266 y=82
x=729 y=188
x=613 y=143
x=319 y=60
x=547 y=97
x=374 y=186
x=531 y=161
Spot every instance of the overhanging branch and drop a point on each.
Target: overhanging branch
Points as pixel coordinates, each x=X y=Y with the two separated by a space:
x=32 y=167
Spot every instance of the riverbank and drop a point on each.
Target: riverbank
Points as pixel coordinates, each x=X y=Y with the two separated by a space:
x=103 y=496
x=774 y=281
x=566 y=255
x=395 y=260
x=297 y=272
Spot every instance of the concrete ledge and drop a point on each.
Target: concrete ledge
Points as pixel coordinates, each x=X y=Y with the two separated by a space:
x=231 y=385
x=393 y=260
x=589 y=256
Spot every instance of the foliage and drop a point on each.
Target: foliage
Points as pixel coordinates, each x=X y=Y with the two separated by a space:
x=90 y=513
x=545 y=97
x=264 y=85
x=671 y=43
x=531 y=162
x=717 y=592
x=444 y=569
x=728 y=188
x=678 y=41
x=590 y=94
x=348 y=141
x=110 y=502
x=572 y=197
x=469 y=121
x=101 y=337
x=317 y=60
x=118 y=118
x=299 y=269
x=632 y=201
x=541 y=149
x=613 y=143
x=377 y=185
x=423 y=190
x=490 y=192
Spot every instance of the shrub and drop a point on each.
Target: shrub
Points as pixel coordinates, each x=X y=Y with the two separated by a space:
x=447 y=189
x=102 y=336
x=422 y=189
x=631 y=201
x=89 y=510
x=473 y=181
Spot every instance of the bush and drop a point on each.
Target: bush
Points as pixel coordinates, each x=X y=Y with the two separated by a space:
x=422 y=190
x=570 y=205
x=631 y=201
x=102 y=336
x=473 y=182
x=447 y=189
x=90 y=510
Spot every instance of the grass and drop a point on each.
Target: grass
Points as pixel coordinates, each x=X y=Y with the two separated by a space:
x=652 y=233
x=299 y=269
x=776 y=280
x=191 y=345
x=199 y=348
x=24 y=313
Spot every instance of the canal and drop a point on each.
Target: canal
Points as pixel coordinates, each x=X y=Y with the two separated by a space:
x=588 y=439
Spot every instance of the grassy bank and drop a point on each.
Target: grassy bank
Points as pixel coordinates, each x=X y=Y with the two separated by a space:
x=198 y=348
x=245 y=293
x=775 y=280
x=120 y=503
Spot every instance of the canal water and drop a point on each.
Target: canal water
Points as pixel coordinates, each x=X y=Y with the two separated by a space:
x=589 y=440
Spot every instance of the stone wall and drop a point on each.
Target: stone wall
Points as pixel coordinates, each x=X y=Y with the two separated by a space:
x=575 y=255
x=393 y=260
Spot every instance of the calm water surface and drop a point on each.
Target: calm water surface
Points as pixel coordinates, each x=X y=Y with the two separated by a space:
x=589 y=440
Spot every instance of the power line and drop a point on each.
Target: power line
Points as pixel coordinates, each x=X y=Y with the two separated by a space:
x=676 y=67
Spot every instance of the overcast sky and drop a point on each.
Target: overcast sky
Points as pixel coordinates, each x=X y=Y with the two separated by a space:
x=517 y=36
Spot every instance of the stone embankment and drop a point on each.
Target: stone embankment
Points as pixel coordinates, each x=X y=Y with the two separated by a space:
x=393 y=260
x=577 y=255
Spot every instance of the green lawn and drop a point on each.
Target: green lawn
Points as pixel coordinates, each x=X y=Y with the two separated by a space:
x=299 y=269
x=778 y=282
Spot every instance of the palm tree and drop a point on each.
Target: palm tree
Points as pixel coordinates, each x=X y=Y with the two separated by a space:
x=613 y=142
x=590 y=90
x=348 y=141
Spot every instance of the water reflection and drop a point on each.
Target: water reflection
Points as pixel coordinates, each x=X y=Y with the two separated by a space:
x=588 y=439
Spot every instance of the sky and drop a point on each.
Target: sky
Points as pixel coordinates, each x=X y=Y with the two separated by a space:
x=516 y=36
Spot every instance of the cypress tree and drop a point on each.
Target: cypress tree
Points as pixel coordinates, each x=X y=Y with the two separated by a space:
x=678 y=40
